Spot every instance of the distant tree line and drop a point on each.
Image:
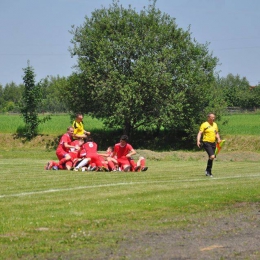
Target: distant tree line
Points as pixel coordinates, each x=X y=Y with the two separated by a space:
x=233 y=89
x=51 y=89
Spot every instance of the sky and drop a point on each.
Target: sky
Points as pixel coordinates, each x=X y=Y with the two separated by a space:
x=38 y=31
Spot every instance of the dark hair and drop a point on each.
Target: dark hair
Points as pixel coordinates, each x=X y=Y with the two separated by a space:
x=124 y=137
x=90 y=139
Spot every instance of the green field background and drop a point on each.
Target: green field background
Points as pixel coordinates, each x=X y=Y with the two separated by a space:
x=56 y=126
x=236 y=124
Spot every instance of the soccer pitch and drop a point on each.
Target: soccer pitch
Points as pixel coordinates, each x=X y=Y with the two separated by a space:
x=46 y=214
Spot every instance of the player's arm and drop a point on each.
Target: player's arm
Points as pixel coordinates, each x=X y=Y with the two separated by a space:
x=86 y=132
x=131 y=153
x=198 y=138
x=66 y=145
x=218 y=137
x=103 y=154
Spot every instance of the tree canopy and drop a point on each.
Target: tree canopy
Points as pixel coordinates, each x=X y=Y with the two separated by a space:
x=139 y=70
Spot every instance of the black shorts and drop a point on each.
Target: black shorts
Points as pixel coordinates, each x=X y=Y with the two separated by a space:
x=209 y=148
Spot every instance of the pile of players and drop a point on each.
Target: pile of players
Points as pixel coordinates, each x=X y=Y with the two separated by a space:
x=80 y=155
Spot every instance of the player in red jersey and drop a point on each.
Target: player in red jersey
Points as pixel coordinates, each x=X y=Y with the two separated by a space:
x=124 y=152
x=74 y=154
x=90 y=148
x=108 y=159
x=64 y=147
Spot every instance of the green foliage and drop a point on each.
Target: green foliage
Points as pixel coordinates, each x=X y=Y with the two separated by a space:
x=30 y=103
x=140 y=71
x=10 y=96
x=51 y=99
x=238 y=93
x=52 y=89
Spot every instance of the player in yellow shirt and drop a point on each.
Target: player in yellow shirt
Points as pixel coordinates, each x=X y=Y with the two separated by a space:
x=209 y=131
x=79 y=131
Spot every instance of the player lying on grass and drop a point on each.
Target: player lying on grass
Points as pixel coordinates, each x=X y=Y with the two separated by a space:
x=89 y=150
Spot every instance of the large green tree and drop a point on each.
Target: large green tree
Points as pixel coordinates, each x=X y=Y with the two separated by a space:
x=138 y=69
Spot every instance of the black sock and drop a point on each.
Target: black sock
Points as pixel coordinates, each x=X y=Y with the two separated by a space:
x=209 y=165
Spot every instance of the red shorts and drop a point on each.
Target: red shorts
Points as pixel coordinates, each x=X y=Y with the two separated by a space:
x=61 y=154
x=95 y=158
x=123 y=161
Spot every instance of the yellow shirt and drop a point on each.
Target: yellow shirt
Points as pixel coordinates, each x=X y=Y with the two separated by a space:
x=209 y=132
x=78 y=128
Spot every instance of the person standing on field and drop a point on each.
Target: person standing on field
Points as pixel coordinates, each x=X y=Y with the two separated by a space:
x=79 y=131
x=209 y=130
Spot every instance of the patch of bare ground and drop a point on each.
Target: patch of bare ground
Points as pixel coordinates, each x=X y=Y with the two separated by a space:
x=228 y=236
x=233 y=234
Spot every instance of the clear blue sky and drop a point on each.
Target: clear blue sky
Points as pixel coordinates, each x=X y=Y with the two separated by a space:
x=38 y=31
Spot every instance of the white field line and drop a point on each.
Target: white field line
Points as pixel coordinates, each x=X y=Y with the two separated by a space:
x=123 y=184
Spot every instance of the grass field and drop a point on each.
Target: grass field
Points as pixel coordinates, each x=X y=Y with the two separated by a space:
x=54 y=214
x=237 y=124
x=56 y=126
x=241 y=124
x=91 y=215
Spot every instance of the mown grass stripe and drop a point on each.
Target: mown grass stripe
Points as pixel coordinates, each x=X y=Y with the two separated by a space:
x=125 y=183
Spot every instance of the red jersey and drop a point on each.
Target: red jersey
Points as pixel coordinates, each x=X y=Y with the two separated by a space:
x=122 y=151
x=64 y=139
x=73 y=150
x=90 y=148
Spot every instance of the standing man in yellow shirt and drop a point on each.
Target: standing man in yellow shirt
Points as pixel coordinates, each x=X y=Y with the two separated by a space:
x=209 y=130
x=79 y=131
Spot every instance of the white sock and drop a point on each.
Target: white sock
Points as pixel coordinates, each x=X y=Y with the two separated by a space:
x=82 y=163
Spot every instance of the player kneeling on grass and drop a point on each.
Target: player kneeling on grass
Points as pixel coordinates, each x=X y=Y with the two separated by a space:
x=63 y=149
x=69 y=154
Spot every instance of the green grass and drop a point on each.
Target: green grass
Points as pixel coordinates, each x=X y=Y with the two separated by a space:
x=75 y=215
x=56 y=126
x=241 y=124
x=45 y=214
x=237 y=124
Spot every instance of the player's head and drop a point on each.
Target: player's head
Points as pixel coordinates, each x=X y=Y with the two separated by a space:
x=70 y=130
x=211 y=117
x=123 y=140
x=79 y=117
x=110 y=149
x=90 y=139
